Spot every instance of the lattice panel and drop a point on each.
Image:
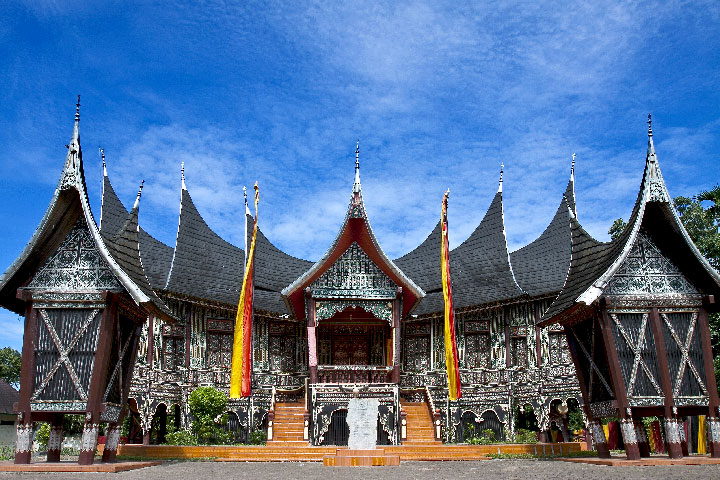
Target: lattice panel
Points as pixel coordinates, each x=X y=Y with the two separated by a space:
x=646 y=271
x=65 y=353
x=685 y=355
x=354 y=275
x=76 y=265
x=635 y=344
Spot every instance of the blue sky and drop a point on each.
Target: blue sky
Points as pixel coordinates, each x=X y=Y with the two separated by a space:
x=438 y=94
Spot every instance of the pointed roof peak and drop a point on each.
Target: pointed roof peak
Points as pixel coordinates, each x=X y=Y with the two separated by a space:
x=502 y=168
x=182 y=175
x=74 y=145
x=356 y=185
x=102 y=156
x=651 y=145
x=139 y=194
x=77 y=110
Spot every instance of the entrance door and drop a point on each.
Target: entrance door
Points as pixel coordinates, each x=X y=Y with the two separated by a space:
x=351 y=350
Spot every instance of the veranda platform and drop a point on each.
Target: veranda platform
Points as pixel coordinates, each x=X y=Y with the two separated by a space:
x=72 y=466
x=302 y=452
x=622 y=461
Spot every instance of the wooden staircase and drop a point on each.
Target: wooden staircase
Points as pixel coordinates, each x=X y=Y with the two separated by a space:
x=288 y=425
x=420 y=430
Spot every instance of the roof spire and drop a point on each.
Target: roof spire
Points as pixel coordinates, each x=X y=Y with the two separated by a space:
x=74 y=146
x=137 y=199
x=651 y=145
x=502 y=167
x=182 y=175
x=102 y=155
x=572 y=167
x=356 y=185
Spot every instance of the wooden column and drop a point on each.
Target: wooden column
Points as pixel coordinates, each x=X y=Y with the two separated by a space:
x=672 y=432
x=598 y=434
x=311 y=338
x=188 y=333
x=627 y=427
x=713 y=422
x=508 y=343
x=24 y=427
x=97 y=381
x=55 y=439
x=150 y=341
x=538 y=347
x=396 y=313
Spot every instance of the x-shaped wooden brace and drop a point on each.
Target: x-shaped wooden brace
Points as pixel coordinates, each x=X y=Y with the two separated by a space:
x=590 y=357
x=637 y=352
x=118 y=366
x=64 y=359
x=685 y=350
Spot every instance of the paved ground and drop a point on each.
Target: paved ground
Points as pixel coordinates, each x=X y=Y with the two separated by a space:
x=505 y=469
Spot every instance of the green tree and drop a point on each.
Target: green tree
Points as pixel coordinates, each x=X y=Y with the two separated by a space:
x=10 y=366
x=617 y=227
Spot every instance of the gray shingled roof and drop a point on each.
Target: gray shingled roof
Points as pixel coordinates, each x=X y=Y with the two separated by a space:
x=542 y=266
x=8 y=397
x=593 y=263
x=204 y=265
x=156 y=256
x=125 y=249
x=480 y=266
x=274 y=270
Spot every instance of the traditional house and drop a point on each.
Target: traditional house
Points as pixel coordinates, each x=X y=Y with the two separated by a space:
x=635 y=315
x=85 y=297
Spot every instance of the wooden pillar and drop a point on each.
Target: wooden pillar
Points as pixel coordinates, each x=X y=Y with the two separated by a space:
x=596 y=430
x=97 y=381
x=713 y=422
x=627 y=426
x=23 y=444
x=396 y=313
x=150 y=341
x=188 y=333
x=672 y=432
x=538 y=347
x=641 y=434
x=508 y=343
x=311 y=338
x=55 y=439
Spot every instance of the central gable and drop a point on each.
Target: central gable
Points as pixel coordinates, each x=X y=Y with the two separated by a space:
x=354 y=275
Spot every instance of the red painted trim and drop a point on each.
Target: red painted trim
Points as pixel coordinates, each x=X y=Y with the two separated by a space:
x=355 y=230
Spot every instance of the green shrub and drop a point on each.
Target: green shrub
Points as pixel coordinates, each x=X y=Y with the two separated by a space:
x=7 y=452
x=181 y=437
x=207 y=406
x=257 y=437
x=525 y=436
x=42 y=435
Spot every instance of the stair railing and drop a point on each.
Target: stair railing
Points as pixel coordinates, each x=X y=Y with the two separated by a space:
x=434 y=414
x=306 y=413
x=271 y=415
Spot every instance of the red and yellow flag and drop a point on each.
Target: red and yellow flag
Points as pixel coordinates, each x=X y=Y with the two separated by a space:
x=241 y=370
x=451 y=356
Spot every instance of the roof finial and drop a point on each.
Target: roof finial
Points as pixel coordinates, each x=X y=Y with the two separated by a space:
x=572 y=166
x=650 y=125
x=356 y=185
x=182 y=175
x=137 y=199
x=502 y=168
x=102 y=155
x=77 y=110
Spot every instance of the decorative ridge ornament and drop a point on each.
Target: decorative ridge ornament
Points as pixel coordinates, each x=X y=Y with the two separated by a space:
x=139 y=194
x=102 y=156
x=451 y=355
x=241 y=369
x=572 y=167
x=502 y=167
x=356 y=185
x=182 y=175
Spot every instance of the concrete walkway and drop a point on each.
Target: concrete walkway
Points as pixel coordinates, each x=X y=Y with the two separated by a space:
x=505 y=469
